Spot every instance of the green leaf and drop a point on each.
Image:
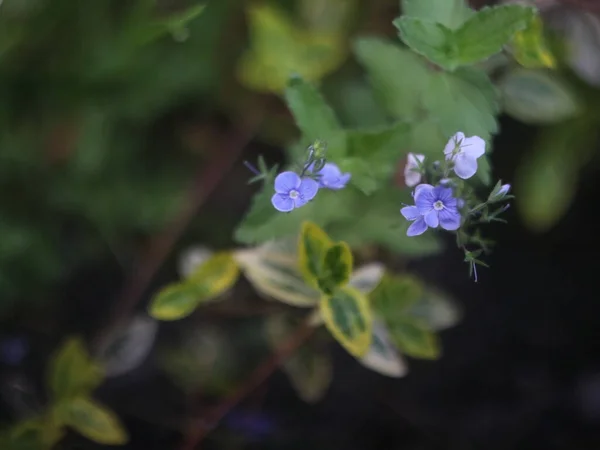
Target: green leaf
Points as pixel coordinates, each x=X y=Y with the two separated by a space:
x=273 y=271
x=309 y=369
x=538 y=97
x=72 y=372
x=432 y=40
x=395 y=294
x=451 y=13
x=154 y=29
x=529 y=47
x=313 y=244
x=347 y=316
x=374 y=153
x=280 y=49
x=93 y=421
x=337 y=268
x=436 y=310
x=383 y=356
x=398 y=76
x=211 y=279
x=367 y=277
x=313 y=115
x=413 y=338
x=488 y=30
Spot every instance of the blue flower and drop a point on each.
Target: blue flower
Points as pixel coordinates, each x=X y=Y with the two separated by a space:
x=331 y=177
x=291 y=191
x=464 y=151
x=504 y=190
x=434 y=206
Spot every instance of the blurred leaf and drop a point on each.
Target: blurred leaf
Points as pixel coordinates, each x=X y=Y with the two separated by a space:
x=397 y=76
x=215 y=276
x=175 y=301
x=382 y=356
x=129 y=346
x=313 y=115
x=414 y=338
x=482 y=35
x=436 y=310
x=93 y=421
x=154 y=29
x=395 y=294
x=313 y=244
x=38 y=433
x=72 y=372
x=327 y=15
x=281 y=49
x=310 y=368
x=538 y=97
x=451 y=13
x=529 y=47
x=367 y=277
x=546 y=181
x=347 y=315
x=373 y=154
x=272 y=269
x=191 y=259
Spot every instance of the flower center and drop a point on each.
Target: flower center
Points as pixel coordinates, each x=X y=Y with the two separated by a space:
x=439 y=205
x=294 y=194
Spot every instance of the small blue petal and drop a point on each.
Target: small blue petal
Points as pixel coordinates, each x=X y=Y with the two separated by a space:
x=465 y=166
x=417 y=227
x=286 y=181
x=282 y=202
x=410 y=212
x=331 y=177
x=307 y=191
x=449 y=219
x=424 y=197
x=431 y=218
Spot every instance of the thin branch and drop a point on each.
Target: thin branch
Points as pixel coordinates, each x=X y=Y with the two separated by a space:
x=204 y=425
x=159 y=247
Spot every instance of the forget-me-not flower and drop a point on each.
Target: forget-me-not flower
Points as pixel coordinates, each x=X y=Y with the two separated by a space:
x=464 y=151
x=411 y=176
x=291 y=191
x=331 y=177
x=434 y=206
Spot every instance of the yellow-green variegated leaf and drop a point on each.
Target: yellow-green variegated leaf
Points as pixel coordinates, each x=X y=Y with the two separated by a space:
x=347 y=316
x=273 y=271
x=436 y=310
x=175 y=301
x=313 y=244
x=413 y=337
x=92 y=420
x=279 y=49
x=529 y=47
x=309 y=369
x=383 y=356
x=337 y=268
x=72 y=372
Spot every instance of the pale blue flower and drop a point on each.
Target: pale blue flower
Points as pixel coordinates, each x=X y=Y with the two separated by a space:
x=412 y=176
x=434 y=206
x=463 y=152
x=331 y=177
x=291 y=191
x=503 y=190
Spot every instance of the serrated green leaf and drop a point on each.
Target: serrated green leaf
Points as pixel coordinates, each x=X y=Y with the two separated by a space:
x=451 y=13
x=347 y=316
x=72 y=372
x=432 y=40
x=93 y=421
x=397 y=76
x=272 y=269
x=538 y=97
x=313 y=244
x=383 y=357
x=413 y=338
x=313 y=115
x=337 y=268
x=395 y=294
x=486 y=32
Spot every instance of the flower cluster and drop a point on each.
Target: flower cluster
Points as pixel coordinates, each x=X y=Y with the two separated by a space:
x=293 y=189
x=447 y=201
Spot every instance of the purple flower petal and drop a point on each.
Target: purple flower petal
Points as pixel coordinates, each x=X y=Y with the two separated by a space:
x=465 y=166
x=410 y=212
x=424 y=197
x=431 y=218
x=282 y=202
x=331 y=177
x=417 y=227
x=307 y=190
x=286 y=181
x=449 y=219
x=473 y=146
